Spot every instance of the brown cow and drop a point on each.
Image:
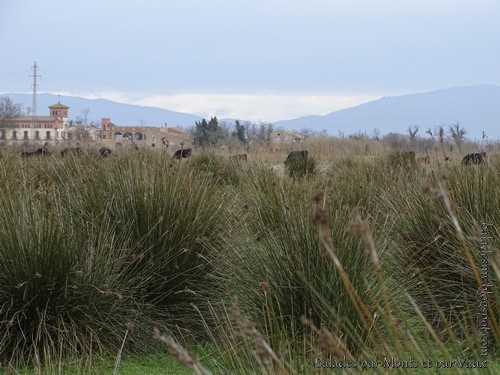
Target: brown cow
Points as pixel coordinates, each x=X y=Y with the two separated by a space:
x=239 y=157
x=424 y=159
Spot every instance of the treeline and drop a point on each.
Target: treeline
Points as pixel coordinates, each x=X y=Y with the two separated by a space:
x=214 y=132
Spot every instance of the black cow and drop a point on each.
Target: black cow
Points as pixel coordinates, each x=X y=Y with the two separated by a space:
x=40 y=151
x=183 y=153
x=71 y=150
x=104 y=152
x=476 y=158
x=296 y=155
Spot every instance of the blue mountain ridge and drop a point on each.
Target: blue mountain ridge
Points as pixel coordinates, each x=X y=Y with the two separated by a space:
x=475 y=108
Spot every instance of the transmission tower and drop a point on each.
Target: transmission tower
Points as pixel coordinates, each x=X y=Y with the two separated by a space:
x=35 y=86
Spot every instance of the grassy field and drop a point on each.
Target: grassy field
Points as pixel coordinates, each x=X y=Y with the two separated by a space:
x=371 y=263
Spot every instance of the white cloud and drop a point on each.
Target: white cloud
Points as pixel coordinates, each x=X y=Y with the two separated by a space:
x=254 y=107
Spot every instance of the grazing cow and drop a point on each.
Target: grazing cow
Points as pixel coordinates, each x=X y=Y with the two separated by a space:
x=296 y=155
x=424 y=159
x=71 y=150
x=239 y=157
x=104 y=152
x=40 y=151
x=476 y=158
x=182 y=153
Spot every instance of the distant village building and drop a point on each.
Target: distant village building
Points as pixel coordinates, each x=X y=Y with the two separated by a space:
x=36 y=128
x=142 y=136
x=285 y=140
x=55 y=129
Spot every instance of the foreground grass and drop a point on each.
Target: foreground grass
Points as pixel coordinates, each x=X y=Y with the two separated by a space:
x=362 y=260
x=157 y=364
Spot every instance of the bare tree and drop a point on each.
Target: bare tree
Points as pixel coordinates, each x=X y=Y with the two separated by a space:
x=412 y=132
x=8 y=110
x=86 y=112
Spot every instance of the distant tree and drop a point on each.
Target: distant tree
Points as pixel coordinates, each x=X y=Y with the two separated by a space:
x=225 y=132
x=395 y=140
x=265 y=131
x=376 y=134
x=8 y=110
x=484 y=136
x=86 y=112
x=207 y=133
x=458 y=135
x=359 y=136
x=412 y=132
x=240 y=132
x=429 y=131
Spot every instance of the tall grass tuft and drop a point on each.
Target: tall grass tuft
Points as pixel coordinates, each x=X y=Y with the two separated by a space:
x=89 y=247
x=273 y=263
x=437 y=248
x=58 y=291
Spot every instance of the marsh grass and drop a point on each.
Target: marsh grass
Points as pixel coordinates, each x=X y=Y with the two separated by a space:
x=366 y=259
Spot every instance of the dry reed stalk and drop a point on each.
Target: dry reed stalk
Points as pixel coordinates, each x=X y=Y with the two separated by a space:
x=129 y=329
x=263 y=352
x=178 y=352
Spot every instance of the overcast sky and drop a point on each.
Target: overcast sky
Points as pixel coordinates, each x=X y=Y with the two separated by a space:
x=256 y=60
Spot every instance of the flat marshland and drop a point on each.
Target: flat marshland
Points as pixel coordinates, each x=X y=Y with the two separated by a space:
x=341 y=263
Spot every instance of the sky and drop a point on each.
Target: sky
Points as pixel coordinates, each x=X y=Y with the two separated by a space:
x=257 y=60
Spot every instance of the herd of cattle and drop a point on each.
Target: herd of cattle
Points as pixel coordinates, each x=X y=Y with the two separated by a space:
x=103 y=151
x=474 y=158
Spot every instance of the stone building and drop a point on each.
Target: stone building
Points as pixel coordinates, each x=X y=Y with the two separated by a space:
x=116 y=137
x=285 y=140
x=38 y=129
x=55 y=130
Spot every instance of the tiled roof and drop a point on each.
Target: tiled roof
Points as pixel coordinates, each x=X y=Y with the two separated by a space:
x=59 y=105
x=32 y=119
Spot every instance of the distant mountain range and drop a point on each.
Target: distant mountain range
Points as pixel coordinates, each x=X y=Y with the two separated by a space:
x=119 y=113
x=475 y=108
